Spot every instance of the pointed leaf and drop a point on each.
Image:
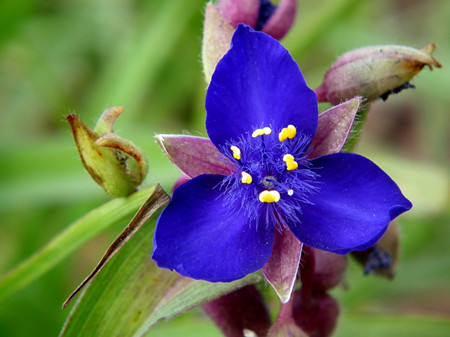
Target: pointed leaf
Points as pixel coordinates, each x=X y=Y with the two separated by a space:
x=334 y=127
x=130 y=294
x=281 y=269
x=157 y=199
x=194 y=155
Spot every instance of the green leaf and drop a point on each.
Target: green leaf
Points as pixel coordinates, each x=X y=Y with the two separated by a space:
x=130 y=294
x=73 y=237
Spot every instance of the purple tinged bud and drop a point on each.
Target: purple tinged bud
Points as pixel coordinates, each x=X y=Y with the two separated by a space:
x=329 y=270
x=382 y=258
x=243 y=309
x=239 y=11
x=282 y=19
x=221 y=21
x=317 y=315
x=373 y=72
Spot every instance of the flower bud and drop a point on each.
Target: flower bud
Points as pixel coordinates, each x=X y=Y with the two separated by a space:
x=329 y=270
x=317 y=315
x=280 y=19
x=221 y=21
x=373 y=72
x=382 y=258
x=240 y=11
x=113 y=162
x=243 y=309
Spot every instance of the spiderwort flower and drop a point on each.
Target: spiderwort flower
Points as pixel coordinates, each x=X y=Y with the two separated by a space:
x=262 y=117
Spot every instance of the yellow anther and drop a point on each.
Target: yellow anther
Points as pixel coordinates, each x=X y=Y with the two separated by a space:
x=269 y=196
x=291 y=165
x=288 y=158
x=286 y=133
x=267 y=130
x=246 y=178
x=290 y=193
x=236 y=152
x=261 y=132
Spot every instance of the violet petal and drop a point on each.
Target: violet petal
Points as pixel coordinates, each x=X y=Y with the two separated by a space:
x=257 y=83
x=198 y=237
x=352 y=209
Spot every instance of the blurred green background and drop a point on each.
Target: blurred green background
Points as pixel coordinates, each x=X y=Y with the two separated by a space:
x=59 y=57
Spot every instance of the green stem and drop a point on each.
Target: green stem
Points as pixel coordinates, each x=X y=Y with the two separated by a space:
x=72 y=238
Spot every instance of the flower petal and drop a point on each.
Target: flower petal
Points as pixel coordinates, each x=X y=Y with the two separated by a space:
x=194 y=155
x=257 y=83
x=282 y=267
x=353 y=207
x=198 y=237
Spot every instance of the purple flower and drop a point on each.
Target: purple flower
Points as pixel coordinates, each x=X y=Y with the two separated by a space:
x=262 y=117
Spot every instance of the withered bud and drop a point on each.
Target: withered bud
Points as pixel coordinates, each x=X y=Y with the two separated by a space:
x=382 y=258
x=113 y=162
x=243 y=309
x=373 y=72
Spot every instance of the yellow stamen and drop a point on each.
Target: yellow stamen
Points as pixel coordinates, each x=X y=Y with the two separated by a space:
x=236 y=152
x=269 y=196
x=290 y=193
x=288 y=157
x=286 y=133
x=291 y=164
x=246 y=178
x=261 y=132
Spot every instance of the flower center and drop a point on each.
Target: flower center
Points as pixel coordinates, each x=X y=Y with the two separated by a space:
x=266 y=167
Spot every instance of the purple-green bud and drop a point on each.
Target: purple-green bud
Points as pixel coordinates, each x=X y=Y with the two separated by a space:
x=382 y=258
x=373 y=72
x=243 y=309
x=113 y=162
x=317 y=315
x=329 y=270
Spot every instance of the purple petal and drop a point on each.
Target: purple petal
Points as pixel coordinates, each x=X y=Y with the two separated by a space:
x=198 y=237
x=353 y=207
x=281 y=269
x=194 y=155
x=257 y=83
x=334 y=127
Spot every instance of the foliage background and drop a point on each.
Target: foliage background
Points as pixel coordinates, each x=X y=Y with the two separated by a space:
x=58 y=57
